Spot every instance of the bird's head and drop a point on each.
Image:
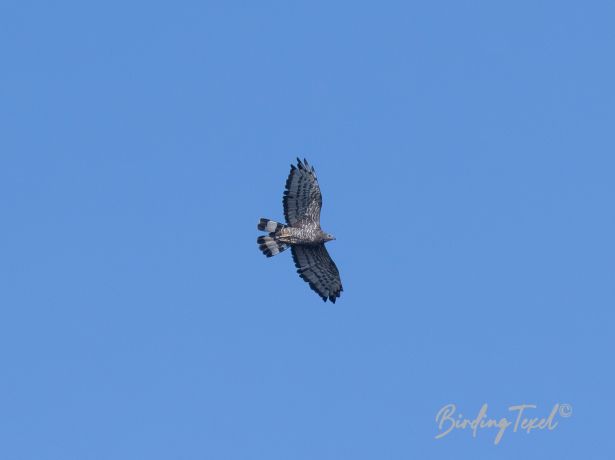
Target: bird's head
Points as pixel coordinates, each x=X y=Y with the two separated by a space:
x=329 y=237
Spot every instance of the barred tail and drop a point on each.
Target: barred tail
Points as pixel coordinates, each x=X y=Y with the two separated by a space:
x=270 y=246
x=270 y=226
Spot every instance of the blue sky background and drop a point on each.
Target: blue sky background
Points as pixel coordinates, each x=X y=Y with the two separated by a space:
x=465 y=151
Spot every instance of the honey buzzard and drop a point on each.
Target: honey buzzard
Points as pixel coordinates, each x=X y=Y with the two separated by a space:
x=302 y=233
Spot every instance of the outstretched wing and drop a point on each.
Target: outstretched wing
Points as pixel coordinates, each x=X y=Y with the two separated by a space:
x=302 y=198
x=316 y=267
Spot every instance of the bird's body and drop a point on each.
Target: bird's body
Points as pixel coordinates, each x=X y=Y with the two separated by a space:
x=302 y=233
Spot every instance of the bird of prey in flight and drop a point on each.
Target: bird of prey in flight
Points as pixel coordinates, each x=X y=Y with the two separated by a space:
x=302 y=233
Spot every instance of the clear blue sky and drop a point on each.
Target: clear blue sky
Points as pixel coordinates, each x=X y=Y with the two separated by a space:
x=466 y=155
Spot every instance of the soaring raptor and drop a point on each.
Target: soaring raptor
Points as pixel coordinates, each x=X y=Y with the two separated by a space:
x=302 y=233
